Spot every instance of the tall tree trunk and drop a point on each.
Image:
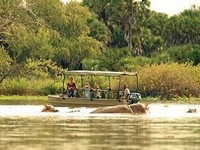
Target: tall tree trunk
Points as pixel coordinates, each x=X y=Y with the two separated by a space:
x=130 y=22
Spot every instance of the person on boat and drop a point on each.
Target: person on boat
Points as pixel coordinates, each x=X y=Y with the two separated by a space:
x=126 y=92
x=97 y=91
x=87 y=91
x=71 y=87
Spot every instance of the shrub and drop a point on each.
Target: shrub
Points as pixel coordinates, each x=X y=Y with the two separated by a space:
x=24 y=86
x=169 y=80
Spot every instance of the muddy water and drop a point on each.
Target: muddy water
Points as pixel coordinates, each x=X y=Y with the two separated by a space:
x=167 y=126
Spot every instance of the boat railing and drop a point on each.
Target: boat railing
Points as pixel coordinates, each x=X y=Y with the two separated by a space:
x=104 y=94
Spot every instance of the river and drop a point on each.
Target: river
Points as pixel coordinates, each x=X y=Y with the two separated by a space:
x=168 y=126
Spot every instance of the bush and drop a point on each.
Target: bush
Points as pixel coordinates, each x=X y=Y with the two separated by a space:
x=24 y=86
x=169 y=80
x=180 y=54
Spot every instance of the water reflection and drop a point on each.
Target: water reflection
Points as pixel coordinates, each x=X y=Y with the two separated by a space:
x=25 y=127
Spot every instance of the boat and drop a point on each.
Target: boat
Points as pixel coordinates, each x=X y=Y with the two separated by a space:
x=109 y=96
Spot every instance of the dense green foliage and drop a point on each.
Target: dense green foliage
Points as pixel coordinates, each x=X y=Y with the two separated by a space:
x=165 y=81
x=41 y=38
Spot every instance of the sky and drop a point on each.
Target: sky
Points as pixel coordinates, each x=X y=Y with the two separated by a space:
x=170 y=7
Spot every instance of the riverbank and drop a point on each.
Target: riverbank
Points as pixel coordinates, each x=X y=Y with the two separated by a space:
x=23 y=100
x=151 y=100
x=17 y=99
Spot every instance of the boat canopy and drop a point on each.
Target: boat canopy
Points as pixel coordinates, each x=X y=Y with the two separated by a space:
x=99 y=73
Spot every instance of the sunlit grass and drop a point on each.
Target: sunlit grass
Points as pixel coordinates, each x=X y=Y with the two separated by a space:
x=18 y=97
x=180 y=100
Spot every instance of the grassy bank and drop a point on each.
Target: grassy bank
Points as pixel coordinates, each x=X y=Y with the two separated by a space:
x=23 y=100
x=151 y=100
x=18 y=97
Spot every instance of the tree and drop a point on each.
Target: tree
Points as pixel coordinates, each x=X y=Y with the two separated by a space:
x=157 y=23
x=71 y=22
x=48 y=29
x=184 y=28
x=5 y=64
x=196 y=55
x=98 y=30
x=124 y=19
x=10 y=19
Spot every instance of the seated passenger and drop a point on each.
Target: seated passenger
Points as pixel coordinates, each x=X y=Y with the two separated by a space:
x=97 y=90
x=71 y=87
x=87 y=91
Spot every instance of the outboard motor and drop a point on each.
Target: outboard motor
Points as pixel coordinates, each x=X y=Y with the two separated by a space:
x=134 y=98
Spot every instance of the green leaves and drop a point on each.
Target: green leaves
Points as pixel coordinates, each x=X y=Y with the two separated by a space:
x=184 y=29
x=40 y=68
x=48 y=29
x=6 y=61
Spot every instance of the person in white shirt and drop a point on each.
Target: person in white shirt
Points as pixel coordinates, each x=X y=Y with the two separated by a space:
x=126 y=91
